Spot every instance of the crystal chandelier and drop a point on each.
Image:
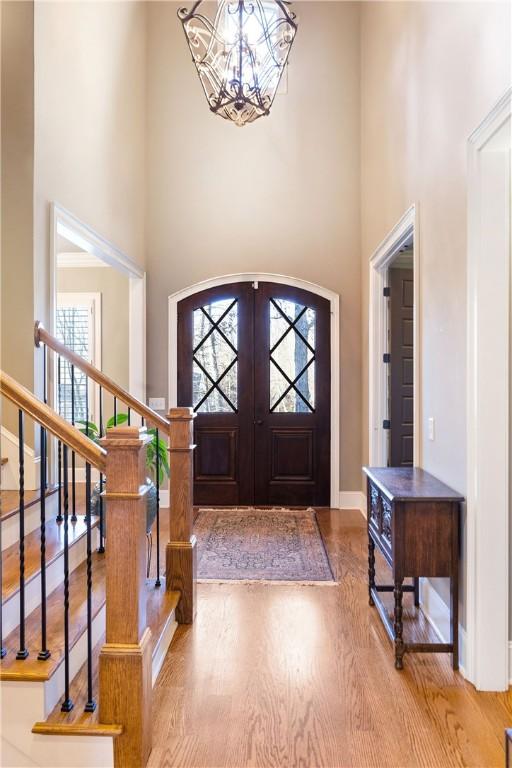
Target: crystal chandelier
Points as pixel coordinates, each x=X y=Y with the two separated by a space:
x=240 y=55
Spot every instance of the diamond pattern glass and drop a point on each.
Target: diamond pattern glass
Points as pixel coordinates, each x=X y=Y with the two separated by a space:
x=292 y=357
x=215 y=357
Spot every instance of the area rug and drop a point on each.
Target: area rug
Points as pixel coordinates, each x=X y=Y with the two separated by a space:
x=275 y=545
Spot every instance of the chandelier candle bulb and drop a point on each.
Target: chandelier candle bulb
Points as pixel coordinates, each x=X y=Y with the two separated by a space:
x=240 y=54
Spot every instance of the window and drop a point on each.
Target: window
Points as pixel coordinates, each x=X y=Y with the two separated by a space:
x=78 y=326
x=215 y=357
x=292 y=357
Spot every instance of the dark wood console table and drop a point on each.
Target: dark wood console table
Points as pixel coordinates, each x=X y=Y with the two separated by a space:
x=413 y=519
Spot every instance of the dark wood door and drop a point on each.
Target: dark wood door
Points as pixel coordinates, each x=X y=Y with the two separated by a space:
x=254 y=362
x=401 y=284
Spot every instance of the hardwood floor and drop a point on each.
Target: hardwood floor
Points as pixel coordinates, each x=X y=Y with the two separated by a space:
x=284 y=676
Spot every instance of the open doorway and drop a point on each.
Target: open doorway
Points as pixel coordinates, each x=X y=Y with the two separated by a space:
x=394 y=419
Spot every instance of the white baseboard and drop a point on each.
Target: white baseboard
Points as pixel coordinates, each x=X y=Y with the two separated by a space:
x=437 y=614
x=10 y=471
x=353 y=500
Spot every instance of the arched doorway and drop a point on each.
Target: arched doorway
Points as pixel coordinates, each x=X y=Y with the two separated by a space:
x=254 y=360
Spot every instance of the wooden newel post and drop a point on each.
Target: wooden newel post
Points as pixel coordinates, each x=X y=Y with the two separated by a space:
x=125 y=659
x=181 y=549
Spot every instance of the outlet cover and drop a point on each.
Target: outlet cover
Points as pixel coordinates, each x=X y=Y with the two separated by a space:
x=157 y=403
x=431 y=428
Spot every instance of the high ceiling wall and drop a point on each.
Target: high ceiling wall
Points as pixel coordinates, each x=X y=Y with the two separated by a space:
x=430 y=73
x=280 y=195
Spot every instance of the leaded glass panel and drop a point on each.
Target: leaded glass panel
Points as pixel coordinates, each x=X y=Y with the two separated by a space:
x=292 y=357
x=215 y=357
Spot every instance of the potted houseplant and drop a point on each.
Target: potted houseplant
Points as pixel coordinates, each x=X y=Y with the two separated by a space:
x=157 y=447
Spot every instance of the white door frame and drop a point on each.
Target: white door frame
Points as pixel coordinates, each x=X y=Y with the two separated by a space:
x=268 y=277
x=66 y=224
x=378 y=338
x=488 y=393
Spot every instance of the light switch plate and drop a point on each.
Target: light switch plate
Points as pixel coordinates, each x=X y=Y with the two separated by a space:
x=431 y=428
x=157 y=403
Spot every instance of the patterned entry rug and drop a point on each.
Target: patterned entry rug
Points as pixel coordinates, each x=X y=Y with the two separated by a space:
x=281 y=545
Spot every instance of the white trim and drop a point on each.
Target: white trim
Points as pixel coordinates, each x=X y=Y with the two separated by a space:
x=353 y=500
x=268 y=277
x=65 y=224
x=10 y=451
x=164 y=498
x=79 y=260
x=437 y=614
x=488 y=393
x=510 y=662
x=378 y=341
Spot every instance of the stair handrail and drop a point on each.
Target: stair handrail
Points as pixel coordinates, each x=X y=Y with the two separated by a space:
x=42 y=336
x=50 y=420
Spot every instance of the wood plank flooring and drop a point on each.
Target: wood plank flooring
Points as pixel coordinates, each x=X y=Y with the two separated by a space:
x=280 y=676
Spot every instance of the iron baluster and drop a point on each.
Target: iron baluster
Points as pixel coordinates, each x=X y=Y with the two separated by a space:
x=91 y=704
x=73 y=458
x=157 y=473
x=22 y=651
x=59 y=445
x=2 y=649
x=115 y=410
x=45 y=399
x=101 y=547
x=67 y=704
x=129 y=416
x=44 y=653
x=87 y=505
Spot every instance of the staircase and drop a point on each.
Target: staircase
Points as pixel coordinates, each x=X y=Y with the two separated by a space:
x=84 y=633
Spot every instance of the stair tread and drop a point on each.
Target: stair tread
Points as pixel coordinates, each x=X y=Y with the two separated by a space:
x=54 y=548
x=34 y=669
x=159 y=605
x=10 y=500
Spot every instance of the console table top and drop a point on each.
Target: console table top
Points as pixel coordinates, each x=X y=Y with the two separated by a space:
x=410 y=484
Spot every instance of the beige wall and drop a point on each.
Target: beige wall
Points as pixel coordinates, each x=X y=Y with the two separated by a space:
x=430 y=72
x=281 y=195
x=90 y=124
x=17 y=125
x=114 y=289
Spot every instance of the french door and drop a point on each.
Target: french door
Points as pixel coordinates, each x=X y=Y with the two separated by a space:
x=254 y=362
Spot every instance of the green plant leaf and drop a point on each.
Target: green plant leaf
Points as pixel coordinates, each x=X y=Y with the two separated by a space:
x=115 y=421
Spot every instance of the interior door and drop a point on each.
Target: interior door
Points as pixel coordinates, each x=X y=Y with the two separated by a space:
x=401 y=284
x=254 y=362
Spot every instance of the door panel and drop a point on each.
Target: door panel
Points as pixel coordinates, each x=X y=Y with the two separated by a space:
x=401 y=283
x=292 y=396
x=255 y=365
x=215 y=338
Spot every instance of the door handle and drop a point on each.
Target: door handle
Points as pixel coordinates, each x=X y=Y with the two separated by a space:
x=259 y=422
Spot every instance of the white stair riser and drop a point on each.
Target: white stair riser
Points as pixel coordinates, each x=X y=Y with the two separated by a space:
x=24 y=703
x=11 y=526
x=22 y=706
x=54 y=688
x=54 y=577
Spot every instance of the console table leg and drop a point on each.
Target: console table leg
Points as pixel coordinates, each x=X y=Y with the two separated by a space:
x=371 y=569
x=398 y=624
x=416 y=591
x=454 y=624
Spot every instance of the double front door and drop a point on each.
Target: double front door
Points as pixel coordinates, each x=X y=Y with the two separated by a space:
x=254 y=361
